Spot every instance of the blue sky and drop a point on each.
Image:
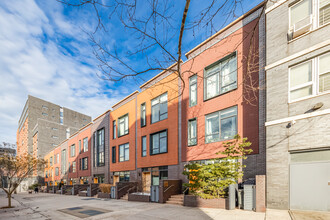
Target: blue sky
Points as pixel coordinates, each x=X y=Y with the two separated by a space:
x=45 y=52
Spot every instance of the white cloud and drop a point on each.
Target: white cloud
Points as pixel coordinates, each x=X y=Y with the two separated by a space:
x=33 y=61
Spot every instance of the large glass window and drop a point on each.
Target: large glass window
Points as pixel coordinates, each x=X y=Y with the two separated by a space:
x=56 y=171
x=100 y=147
x=51 y=161
x=73 y=150
x=157 y=174
x=324 y=12
x=159 y=108
x=192 y=132
x=73 y=166
x=84 y=165
x=193 y=90
x=220 y=77
x=114 y=154
x=124 y=152
x=158 y=142
x=85 y=143
x=143 y=115
x=123 y=125
x=123 y=176
x=144 y=146
x=221 y=125
x=63 y=162
x=114 y=129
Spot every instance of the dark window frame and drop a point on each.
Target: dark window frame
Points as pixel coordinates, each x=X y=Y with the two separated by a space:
x=190 y=120
x=190 y=85
x=158 y=97
x=143 y=114
x=143 y=150
x=118 y=127
x=233 y=54
x=113 y=154
x=119 y=147
x=151 y=144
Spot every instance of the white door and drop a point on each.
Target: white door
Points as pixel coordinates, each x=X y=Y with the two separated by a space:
x=310 y=186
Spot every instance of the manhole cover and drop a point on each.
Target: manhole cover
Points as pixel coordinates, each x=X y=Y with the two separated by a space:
x=84 y=211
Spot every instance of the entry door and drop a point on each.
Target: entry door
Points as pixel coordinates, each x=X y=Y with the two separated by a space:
x=115 y=180
x=146 y=181
x=310 y=186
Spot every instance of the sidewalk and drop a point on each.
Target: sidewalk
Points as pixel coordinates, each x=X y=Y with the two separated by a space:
x=49 y=206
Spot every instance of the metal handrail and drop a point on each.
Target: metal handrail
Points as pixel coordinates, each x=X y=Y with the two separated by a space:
x=185 y=190
x=123 y=188
x=168 y=188
x=130 y=189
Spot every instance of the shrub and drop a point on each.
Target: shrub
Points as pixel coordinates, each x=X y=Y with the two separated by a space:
x=33 y=186
x=105 y=188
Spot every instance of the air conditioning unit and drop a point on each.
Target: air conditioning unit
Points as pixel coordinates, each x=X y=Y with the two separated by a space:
x=300 y=28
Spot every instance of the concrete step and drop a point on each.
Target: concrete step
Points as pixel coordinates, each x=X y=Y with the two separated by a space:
x=177 y=196
x=174 y=202
x=125 y=197
x=175 y=199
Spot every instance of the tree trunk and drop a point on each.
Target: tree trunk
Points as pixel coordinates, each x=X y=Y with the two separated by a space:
x=9 y=200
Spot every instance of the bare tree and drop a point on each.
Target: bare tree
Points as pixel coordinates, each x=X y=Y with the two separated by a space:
x=156 y=37
x=15 y=169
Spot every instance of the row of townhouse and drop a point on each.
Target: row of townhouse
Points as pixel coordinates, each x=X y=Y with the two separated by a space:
x=149 y=135
x=257 y=77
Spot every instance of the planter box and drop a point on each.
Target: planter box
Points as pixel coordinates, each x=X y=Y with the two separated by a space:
x=138 y=197
x=103 y=195
x=196 y=201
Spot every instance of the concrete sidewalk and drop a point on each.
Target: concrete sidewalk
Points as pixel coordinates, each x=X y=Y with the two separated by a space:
x=50 y=206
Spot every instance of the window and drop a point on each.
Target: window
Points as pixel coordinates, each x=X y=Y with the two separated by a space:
x=309 y=78
x=221 y=125
x=51 y=161
x=143 y=115
x=45 y=107
x=46 y=174
x=67 y=133
x=73 y=150
x=63 y=162
x=79 y=146
x=192 y=132
x=301 y=84
x=44 y=114
x=57 y=158
x=55 y=129
x=56 y=171
x=84 y=163
x=158 y=142
x=123 y=125
x=324 y=73
x=324 y=12
x=114 y=130
x=123 y=176
x=300 y=14
x=193 y=90
x=158 y=173
x=85 y=144
x=70 y=169
x=73 y=166
x=114 y=154
x=124 y=152
x=159 y=108
x=220 y=77
x=61 y=121
x=100 y=148
x=55 y=137
x=144 y=146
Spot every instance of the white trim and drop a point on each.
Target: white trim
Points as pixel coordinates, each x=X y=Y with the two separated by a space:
x=299 y=54
x=298 y=117
x=275 y=6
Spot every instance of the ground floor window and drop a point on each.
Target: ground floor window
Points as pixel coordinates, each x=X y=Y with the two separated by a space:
x=123 y=176
x=99 y=178
x=83 y=180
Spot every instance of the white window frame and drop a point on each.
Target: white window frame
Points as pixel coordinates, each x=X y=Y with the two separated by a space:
x=188 y=135
x=73 y=152
x=315 y=79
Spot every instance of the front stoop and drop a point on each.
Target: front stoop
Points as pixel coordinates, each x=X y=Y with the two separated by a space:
x=175 y=200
